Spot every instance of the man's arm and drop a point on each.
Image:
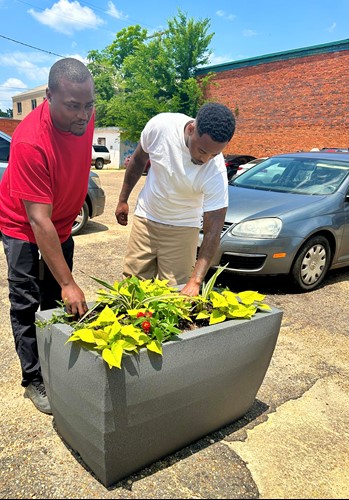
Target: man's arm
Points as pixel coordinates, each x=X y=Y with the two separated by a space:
x=212 y=228
x=133 y=173
x=47 y=239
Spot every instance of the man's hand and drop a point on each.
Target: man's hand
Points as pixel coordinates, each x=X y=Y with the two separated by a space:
x=191 y=289
x=121 y=213
x=74 y=300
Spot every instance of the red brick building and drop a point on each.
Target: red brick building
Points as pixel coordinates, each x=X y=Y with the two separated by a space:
x=287 y=101
x=8 y=125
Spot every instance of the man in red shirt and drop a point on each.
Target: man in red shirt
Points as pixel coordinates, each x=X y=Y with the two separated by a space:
x=41 y=193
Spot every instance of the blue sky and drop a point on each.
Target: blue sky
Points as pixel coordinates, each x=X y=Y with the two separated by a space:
x=242 y=29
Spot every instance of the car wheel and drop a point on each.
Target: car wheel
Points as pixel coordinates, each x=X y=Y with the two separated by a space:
x=99 y=163
x=81 y=220
x=311 y=264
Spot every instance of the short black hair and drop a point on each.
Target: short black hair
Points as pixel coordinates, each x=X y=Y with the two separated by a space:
x=67 y=69
x=216 y=120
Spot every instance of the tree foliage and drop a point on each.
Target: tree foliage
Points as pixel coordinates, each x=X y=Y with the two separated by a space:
x=6 y=114
x=140 y=75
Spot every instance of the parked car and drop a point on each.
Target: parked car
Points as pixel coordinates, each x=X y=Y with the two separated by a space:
x=146 y=168
x=249 y=164
x=336 y=150
x=95 y=198
x=100 y=156
x=289 y=216
x=232 y=162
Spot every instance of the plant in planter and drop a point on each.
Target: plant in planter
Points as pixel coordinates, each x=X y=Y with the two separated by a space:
x=134 y=314
x=120 y=420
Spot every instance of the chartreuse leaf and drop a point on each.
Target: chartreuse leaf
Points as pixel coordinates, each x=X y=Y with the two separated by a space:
x=243 y=312
x=154 y=346
x=131 y=331
x=249 y=297
x=113 y=330
x=84 y=334
x=264 y=307
x=230 y=297
x=127 y=345
x=218 y=300
x=106 y=316
x=110 y=358
x=216 y=317
x=202 y=315
x=101 y=334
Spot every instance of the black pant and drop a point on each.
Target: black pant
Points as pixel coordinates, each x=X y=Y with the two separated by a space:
x=31 y=285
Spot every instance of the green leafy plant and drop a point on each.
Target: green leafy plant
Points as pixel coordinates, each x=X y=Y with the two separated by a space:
x=133 y=314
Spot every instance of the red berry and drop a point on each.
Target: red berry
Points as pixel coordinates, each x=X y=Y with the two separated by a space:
x=140 y=315
x=146 y=326
x=148 y=314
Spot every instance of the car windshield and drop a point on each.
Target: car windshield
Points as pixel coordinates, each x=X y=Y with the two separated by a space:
x=314 y=176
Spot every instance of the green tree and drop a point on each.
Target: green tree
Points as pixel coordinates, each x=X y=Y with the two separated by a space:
x=6 y=114
x=141 y=75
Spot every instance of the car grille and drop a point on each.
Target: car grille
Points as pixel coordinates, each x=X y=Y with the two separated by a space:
x=243 y=262
x=225 y=227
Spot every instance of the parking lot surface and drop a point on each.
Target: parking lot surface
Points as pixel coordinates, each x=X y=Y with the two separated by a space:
x=293 y=443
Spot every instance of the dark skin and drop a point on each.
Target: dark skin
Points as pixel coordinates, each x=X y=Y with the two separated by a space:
x=71 y=107
x=202 y=149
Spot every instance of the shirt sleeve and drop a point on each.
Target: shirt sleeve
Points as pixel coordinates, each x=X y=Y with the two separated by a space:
x=216 y=189
x=29 y=179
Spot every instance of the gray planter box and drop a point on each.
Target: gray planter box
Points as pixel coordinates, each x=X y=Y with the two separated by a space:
x=119 y=421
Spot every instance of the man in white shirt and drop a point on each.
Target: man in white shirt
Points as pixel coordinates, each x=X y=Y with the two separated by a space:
x=186 y=184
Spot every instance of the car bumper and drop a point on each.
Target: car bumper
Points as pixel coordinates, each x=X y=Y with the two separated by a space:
x=256 y=257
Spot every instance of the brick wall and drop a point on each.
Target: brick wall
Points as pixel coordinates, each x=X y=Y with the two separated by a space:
x=288 y=105
x=8 y=125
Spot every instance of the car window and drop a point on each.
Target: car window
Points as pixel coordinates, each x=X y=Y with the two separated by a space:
x=100 y=149
x=299 y=176
x=4 y=150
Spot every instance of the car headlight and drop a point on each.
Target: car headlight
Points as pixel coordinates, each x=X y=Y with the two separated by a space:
x=258 y=228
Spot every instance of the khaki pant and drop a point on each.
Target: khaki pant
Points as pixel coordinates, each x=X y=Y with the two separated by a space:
x=161 y=251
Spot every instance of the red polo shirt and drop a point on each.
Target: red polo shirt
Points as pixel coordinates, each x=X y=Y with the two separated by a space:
x=46 y=166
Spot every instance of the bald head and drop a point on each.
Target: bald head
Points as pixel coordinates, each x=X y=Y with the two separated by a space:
x=69 y=69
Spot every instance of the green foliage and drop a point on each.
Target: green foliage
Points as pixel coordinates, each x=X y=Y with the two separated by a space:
x=141 y=75
x=6 y=114
x=133 y=314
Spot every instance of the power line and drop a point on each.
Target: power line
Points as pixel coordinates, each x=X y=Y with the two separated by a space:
x=31 y=46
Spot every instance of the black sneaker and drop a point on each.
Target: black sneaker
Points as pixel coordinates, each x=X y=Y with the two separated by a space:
x=36 y=392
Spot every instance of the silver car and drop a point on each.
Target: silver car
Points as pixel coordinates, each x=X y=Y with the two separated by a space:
x=289 y=216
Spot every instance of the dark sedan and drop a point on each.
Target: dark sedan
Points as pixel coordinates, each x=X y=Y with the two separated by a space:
x=289 y=216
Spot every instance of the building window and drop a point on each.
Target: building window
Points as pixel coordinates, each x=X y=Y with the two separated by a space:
x=19 y=108
x=34 y=103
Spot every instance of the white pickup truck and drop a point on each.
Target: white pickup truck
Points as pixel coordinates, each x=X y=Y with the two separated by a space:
x=100 y=156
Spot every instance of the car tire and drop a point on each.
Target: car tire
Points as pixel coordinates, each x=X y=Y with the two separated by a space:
x=311 y=265
x=81 y=220
x=99 y=163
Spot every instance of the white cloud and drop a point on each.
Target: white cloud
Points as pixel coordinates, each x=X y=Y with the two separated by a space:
x=332 y=27
x=67 y=17
x=9 y=88
x=219 y=59
x=114 y=12
x=249 y=33
x=31 y=65
x=221 y=13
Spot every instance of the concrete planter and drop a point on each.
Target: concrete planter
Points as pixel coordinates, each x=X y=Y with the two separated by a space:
x=119 y=421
